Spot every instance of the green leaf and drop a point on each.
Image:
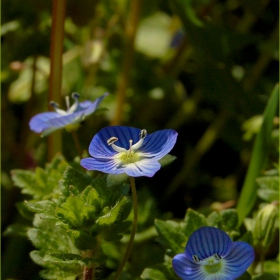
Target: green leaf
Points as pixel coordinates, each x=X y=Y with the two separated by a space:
x=258 y=160
x=193 y=221
x=45 y=207
x=82 y=240
x=75 y=212
x=24 y=211
x=171 y=236
x=109 y=216
x=67 y=260
x=158 y=272
x=73 y=182
x=43 y=183
x=16 y=230
x=229 y=219
x=269 y=188
x=265 y=226
x=167 y=159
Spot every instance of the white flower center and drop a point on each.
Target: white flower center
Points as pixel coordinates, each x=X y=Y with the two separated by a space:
x=69 y=110
x=130 y=155
x=212 y=264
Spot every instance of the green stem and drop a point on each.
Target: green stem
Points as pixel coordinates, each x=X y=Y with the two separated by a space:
x=133 y=231
x=77 y=143
x=57 y=38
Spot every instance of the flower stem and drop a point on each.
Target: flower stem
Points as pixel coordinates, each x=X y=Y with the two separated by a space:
x=133 y=231
x=57 y=38
x=77 y=144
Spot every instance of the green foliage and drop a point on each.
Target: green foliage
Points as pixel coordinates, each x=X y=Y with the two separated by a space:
x=43 y=183
x=259 y=158
x=269 y=188
x=265 y=226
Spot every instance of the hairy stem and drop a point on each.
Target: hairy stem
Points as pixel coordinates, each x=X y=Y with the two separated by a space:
x=133 y=231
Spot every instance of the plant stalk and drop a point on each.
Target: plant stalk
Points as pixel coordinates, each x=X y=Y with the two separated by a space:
x=56 y=51
x=133 y=231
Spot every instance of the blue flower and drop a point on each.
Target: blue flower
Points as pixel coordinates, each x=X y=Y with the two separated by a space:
x=46 y=123
x=122 y=149
x=211 y=255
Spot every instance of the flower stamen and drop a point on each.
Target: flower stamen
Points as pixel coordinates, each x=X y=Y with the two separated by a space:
x=195 y=258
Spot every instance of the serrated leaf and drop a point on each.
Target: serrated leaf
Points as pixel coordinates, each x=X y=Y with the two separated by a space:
x=67 y=260
x=111 y=215
x=110 y=235
x=73 y=182
x=229 y=219
x=171 y=236
x=193 y=221
x=167 y=159
x=48 y=237
x=75 y=212
x=82 y=240
x=42 y=183
x=45 y=207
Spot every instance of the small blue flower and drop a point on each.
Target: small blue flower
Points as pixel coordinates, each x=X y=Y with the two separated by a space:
x=46 y=123
x=211 y=255
x=122 y=149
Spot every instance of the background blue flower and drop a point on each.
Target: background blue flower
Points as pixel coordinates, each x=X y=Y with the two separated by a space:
x=129 y=150
x=46 y=123
x=211 y=255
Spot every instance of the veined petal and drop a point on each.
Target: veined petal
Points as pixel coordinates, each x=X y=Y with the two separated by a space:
x=143 y=167
x=39 y=123
x=99 y=148
x=63 y=121
x=207 y=241
x=159 y=143
x=104 y=165
x=239 y=259
x=89 y=107
x=186 y=269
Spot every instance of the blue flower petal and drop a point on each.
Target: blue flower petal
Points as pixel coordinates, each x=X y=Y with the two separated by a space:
x=48 y=122
x=186 y=269
x=89 y=107
x=38 y=123
x=239 y=259
x=143 y=167
x=207 y=241
x=159 y=143
x=99 y=148
x=103 y=165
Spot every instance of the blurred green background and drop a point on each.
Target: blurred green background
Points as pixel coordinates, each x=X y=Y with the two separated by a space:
x=205 y=68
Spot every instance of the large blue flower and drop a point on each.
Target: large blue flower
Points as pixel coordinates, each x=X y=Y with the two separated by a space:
x=46 y=123
x=122 y=149
x=211 y=255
